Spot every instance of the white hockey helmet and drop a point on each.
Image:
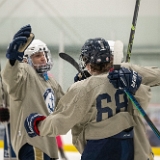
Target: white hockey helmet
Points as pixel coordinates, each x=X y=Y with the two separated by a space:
x=35 y=47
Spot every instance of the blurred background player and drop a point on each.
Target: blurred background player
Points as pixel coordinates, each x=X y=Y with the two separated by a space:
x=28 y=84
x=4 y=119
x=60 y=147
x=92 y=108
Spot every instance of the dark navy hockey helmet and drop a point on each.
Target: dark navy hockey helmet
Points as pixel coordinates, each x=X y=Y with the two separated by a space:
x=96 y=51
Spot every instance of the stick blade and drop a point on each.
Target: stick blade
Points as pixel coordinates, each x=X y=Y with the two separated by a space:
x=118 y=52
x=69 y=59
x=23 y=47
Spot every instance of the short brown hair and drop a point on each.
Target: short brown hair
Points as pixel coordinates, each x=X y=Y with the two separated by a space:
x=103 y=67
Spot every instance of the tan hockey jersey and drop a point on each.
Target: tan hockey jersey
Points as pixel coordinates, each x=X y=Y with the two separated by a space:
x=30 y=93
x=91 y=109
x=150 y=77
x=4 y=98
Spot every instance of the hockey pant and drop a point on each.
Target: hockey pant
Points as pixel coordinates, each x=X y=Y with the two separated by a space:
x=118 y=147
x=28 y=152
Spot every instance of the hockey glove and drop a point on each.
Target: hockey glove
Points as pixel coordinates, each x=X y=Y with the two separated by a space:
x=12 y=51
x=31 y=123
x=20 y=42
x=81 y=76
x=125 y=79
x=4 y=115
x=24 y=31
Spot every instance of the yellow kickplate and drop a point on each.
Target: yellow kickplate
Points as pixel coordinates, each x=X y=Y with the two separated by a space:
x=1 y=144
x=70 y=148
x=156 y=151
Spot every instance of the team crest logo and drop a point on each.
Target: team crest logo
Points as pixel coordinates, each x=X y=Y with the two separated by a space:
x=49 y=100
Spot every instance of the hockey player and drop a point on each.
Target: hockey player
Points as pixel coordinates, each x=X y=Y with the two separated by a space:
x=31 y=90
x=98 y=114
x=4 y=119
x=150 y=77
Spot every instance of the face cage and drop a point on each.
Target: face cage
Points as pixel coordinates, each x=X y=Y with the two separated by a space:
x=42 y=68
x=83 y=61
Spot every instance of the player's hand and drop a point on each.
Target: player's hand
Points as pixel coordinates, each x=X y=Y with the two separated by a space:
x=4 y=114
x=31 y=123
x=81 y=76
x=125 y=79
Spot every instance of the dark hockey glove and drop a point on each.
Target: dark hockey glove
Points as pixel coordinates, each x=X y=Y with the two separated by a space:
x=13 y=52
x=24 y=31
x=4 y=114
x=125 y=79
x=81 y=76
x=20 y=42
x=31 y=123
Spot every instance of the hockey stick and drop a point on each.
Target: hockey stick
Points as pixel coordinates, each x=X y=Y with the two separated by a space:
x=23 y=47
x=69 y=59
x=143 y=113
x=133 y=28
x=82 y=74
x=117 y=61
x=6 y=125
x=129 y=49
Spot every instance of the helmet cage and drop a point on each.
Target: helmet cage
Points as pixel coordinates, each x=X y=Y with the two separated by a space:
x=44 y=67
x=35 y=47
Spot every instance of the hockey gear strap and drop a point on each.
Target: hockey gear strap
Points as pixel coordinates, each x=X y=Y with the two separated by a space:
x=31 y=123
x=4 y=114
x=125 y=79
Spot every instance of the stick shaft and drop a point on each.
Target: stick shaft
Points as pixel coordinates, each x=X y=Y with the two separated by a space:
x=133 y=28
x=143 y=113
